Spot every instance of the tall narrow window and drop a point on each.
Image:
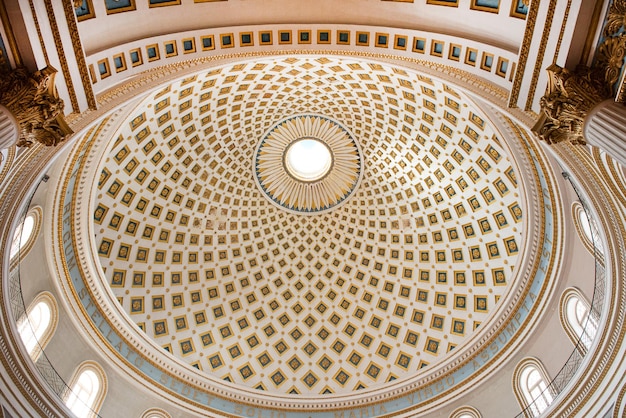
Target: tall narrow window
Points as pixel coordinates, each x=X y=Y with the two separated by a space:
x=576 y=318
x=531 y=387
x=37 y=326
x=87 y=390
x=25 y=233
x=587 y=229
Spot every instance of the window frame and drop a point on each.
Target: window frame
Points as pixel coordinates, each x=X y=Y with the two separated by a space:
x=24 y=323
x=98 y=398
x=576 y=331
x=577 y=213
x=155 y=413
x=24 y=248
x=465 y=411
x=524 y=394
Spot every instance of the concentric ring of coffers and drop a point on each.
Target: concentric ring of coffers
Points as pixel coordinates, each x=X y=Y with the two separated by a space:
x=374 y=291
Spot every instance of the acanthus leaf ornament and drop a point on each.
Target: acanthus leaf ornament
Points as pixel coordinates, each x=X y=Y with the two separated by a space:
x=35 y=104
x=569 y=97
x=616 y=18
x=610 y=58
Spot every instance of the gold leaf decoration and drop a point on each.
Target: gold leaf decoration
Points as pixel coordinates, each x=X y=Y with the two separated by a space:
x=616 y=18
x=610 y=56
x=568 y=99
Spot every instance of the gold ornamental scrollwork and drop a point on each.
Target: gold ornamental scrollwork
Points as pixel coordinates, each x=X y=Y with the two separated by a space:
x=609 y=51
x=616 y=18
x=35 y=104
x=568 y=99
x=610 y=58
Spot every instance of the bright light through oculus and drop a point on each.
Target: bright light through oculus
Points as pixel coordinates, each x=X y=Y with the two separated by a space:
x=308 y=159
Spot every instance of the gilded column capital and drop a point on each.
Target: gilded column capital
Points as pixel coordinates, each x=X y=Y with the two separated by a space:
x=569 y=97
x=35 y=104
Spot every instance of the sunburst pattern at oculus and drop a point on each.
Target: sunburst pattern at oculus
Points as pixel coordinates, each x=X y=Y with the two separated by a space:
x=308 y=164
x=374 y=290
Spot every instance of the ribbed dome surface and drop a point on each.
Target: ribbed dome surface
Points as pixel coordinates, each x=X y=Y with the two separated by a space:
x=372 y=290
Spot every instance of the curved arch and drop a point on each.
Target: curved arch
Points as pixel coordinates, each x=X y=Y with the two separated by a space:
x=530 y=385
x=587 y=229
x=155 y=413
x=7 y=156
x=465 y=412
x=619 y=409
x=574 y=311
x=26 y=233
x=37 y=326
x=87 y=390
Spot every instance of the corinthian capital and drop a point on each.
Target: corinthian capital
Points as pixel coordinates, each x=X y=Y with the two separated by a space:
x=35 y=104
x=568 y=99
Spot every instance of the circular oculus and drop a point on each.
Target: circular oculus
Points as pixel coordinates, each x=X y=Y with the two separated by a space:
x=308 y=164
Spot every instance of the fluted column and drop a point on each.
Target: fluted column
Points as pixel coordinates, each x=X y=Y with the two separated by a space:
x=9 y=128
x=605 y=128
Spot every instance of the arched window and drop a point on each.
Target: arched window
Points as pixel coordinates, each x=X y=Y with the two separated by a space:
x=87 y=390
x=155 y=413
x=37 y=326
x=530 y=384
x=587 y=229
x=25 y=233
x=576 y=318
x=465 y=412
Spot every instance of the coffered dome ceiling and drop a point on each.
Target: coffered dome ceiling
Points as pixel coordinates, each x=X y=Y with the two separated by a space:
x=248 y=290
